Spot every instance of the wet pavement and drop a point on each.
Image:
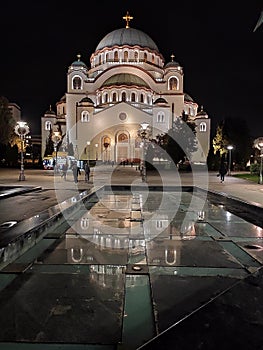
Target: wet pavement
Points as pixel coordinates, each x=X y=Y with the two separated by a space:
x=139 y=269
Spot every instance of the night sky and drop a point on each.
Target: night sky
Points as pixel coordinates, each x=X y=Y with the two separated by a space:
x=213 y=41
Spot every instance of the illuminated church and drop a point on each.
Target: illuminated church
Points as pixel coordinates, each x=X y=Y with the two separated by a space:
x=126 y=84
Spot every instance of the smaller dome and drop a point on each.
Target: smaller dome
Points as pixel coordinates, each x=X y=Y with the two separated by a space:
x=188 y=98
x=50 y=111
x=202 y=113
x=172 y=63
x=160 y=100
x=78 y=63
x=125 y=79
x=86 y=100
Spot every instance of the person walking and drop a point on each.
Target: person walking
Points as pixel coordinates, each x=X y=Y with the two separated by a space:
x=87 y=172
x=76 y=172
x=222 y=172
x=64 y=170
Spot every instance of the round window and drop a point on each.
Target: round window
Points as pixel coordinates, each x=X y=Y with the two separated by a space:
x=122 y=116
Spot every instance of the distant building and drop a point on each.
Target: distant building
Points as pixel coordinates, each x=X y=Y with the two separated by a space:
x=15 y=110
x=126 y=84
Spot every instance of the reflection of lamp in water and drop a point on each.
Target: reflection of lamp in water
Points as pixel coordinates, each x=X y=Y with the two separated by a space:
x=143 y=133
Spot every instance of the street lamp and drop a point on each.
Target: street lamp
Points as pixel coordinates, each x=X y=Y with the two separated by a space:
x=258 y=143
x=88 y=144
x=22 y=129
x=229 y=147
x=96 y=145
x=56 y=138
x=143 y=134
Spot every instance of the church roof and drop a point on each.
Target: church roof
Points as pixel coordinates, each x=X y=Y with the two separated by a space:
x=78 y=63
x=188 y=98
x=160 y=100
x=125 y=79
x=202 y=113
x=172 y=63
x=50 y=111
x=127 y=36
x=87 y=100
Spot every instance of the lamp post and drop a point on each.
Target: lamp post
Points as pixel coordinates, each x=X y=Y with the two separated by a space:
x=229 y=147
x=258 y=143
x=22 y=129
x=143 y=134
x=96 y=145
x=88 y=144
x=56 y=138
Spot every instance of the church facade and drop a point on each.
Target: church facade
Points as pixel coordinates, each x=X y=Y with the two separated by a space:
x=127 y=83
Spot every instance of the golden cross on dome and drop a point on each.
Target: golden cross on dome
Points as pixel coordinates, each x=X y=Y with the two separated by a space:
x=127 y=19
x=172 y=57
x=78 y=56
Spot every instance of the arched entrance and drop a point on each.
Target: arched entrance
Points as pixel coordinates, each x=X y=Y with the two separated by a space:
x=122 y=146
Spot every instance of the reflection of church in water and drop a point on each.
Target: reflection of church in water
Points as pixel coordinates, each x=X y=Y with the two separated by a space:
x=127 y=83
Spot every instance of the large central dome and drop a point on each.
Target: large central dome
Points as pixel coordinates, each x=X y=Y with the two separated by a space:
x=127 y=36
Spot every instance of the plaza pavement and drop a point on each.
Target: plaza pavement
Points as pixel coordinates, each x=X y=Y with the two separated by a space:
x=50 y=189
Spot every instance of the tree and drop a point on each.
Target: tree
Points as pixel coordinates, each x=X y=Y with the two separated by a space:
x=180 y=141
x=220 y=140
x=235 y=132
x=238 y=135
x=7 y=122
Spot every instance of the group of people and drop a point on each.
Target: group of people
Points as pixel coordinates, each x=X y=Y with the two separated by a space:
x=75 y=171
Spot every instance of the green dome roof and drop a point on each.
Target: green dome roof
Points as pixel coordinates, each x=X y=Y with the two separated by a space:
x=127 y=36
x=125 y=79
x=78 y=63
x=160 y=100
x=87 y=100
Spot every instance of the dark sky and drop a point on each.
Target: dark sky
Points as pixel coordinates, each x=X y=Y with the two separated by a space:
x=213 y=40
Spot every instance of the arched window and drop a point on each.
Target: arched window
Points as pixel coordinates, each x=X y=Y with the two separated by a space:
x=145 y=57
x=77 y=83
x=116 y=56
x=114 y=97
x=106 y=57
x=149 y=100
x=173 y=84
x=136 y=56
x=152 y=58
x=160 y=117
x=126 y=56
x=202 y=127
x=122 y=138
x=123 y=96
x=142 y=98
x=105 y=98
x=84 y=117
x=48 y=125
x=133 y=97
